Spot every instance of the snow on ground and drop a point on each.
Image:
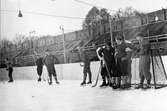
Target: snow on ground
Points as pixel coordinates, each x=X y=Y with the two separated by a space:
x=29 y=95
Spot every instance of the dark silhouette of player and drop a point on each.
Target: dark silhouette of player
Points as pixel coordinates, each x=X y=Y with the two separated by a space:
x=9 y=68
x=39 y=63
x=49 y=62
x=86 y=70
x=107 y=63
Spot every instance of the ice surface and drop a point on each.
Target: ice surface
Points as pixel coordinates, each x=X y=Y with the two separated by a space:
x=29 y=95
x=71 y=71
x=26 y=94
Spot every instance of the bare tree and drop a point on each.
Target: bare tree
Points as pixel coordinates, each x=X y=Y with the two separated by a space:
x=19 y=39
x=90 y=17
x=127 y=12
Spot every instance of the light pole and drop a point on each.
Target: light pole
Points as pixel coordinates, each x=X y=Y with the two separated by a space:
x=31 y=35
x=29 y=40
x=61 y=27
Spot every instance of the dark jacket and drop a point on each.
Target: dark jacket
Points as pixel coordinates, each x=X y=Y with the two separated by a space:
x=39 y=62
x=84 y=58
x=144 y=48
x=107 y=54
x=121 y=49
x=50 y=60
x=9 y=65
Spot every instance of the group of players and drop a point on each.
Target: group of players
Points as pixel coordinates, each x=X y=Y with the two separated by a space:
x=115 y=64
x=48 y=60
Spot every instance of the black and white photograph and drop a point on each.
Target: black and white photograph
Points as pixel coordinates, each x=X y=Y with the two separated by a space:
x=83 y=55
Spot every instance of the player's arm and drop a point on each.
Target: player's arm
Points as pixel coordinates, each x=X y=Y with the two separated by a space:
x=99 y=53
x=55 y=58
x=134 y=48
x=129 y=48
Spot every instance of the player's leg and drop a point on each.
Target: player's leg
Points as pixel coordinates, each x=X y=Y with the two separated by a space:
x=49 y=69
x=125 y=73
x=10 y=71
x=39 y=72
x=84 y=76
x=103 y=75
x=110 y=74
x=55 y=75
x=118 y=73
x=147 y=72
x=129 y=73
x=90 y=75
x=141 y=72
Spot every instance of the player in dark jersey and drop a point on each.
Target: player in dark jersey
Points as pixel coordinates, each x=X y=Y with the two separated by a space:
x=107 y=63
x=49 y=62
x=9 y=68
x=122 y=60
x=86 y=70
x=39 y=64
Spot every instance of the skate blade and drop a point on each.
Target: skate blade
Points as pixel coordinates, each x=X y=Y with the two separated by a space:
x=94 y=86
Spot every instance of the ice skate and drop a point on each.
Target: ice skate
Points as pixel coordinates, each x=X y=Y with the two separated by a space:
x=114 y=86
x=147 y=86
x=83 y=83
x=128 y=85
x=10 y=81
x=103 y=84
x=50 y=83
x=39 y=79
x=118 y=86
x=140 y=86
x=90 y=82
x=110 y=84
x=57 y=82
x=125 y=86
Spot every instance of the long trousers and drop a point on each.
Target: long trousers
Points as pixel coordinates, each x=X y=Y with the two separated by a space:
x=122 y=67
x=10 y=71
x=86 y=71
x=51 y=71
x=129 y=71
x=106 y=74
x=39 y=70
x=144 y=69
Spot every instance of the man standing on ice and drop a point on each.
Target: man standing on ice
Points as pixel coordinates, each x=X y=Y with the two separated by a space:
x=49 y=62
x=9 y=68
x=106 y=53
x=122 y=61
x=86 y=69
x=39 y=63
x=144 y=62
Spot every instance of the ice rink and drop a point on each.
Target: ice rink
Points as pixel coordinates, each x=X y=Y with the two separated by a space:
x=26 y=94
x=29 y=95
